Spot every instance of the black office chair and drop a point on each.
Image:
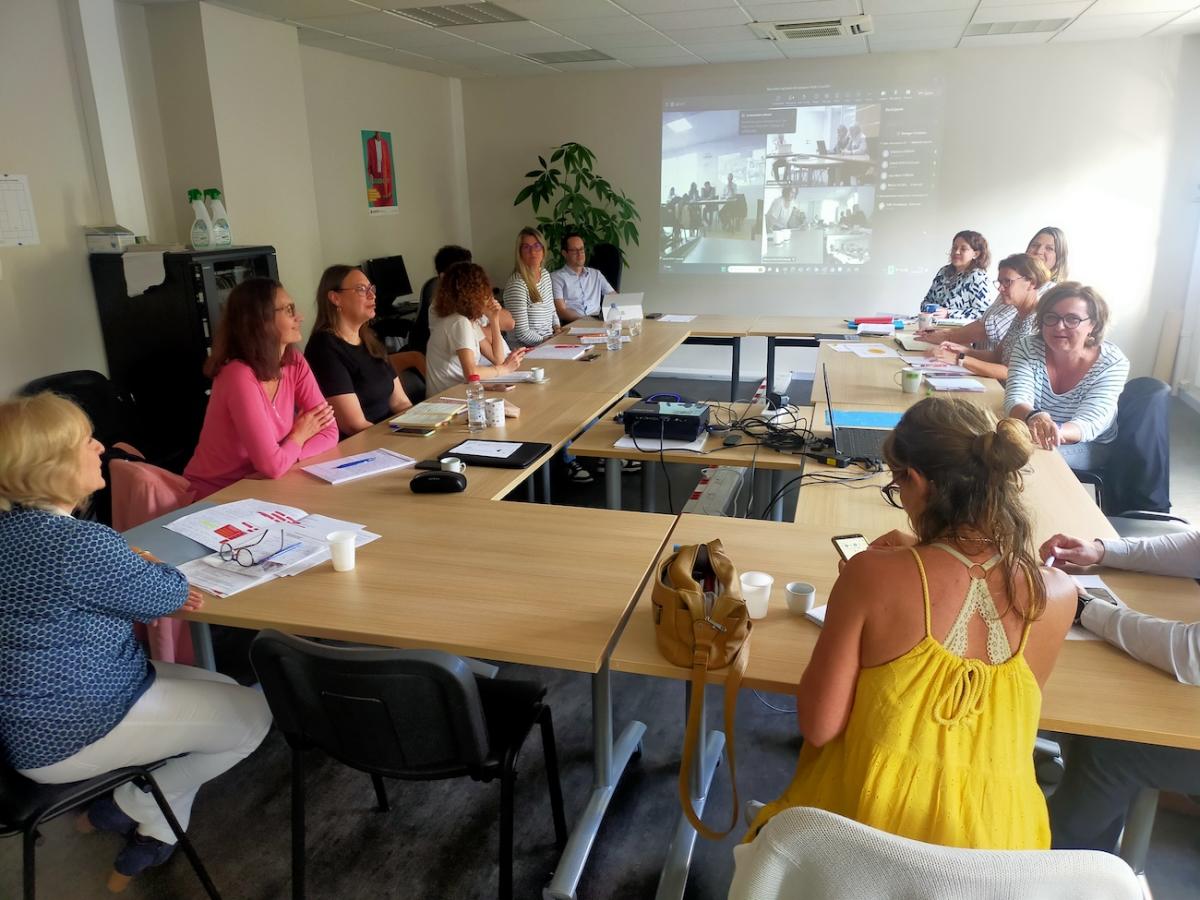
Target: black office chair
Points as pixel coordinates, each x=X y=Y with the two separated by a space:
x=1138 y=473
x=607 y=259
x=113 y=411
x=25 y=805
x=417 y=715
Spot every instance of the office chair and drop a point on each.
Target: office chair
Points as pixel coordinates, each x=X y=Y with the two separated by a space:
x=113 y=411
x=606 y=258
x=25 y=805
x=416 y=715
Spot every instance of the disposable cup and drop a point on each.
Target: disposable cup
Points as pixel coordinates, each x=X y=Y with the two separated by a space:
x=756 y=591
x=801 y=597
x=341 y=546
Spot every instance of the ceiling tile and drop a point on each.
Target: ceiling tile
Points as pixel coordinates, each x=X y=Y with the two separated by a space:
x=553 y=10
x=600 y=65
x=300 y=9
x=466 y=52
x=1133 y=25
x=738 y=51
x=909 y=41
x=372 y=27
x=1004 y=40
x=1030 y=12
x=813 y=9
x=512 y=65
x=700 y=18
x=586 y=29
x=731 y=33
x=1117 y=7
x=425 y=39
x=641 y=55
x=625 y=41
x=896 y=7
x=1187 y=23
x=813 y=47
x=526 y=37
x=925 y=21
x=641 y=7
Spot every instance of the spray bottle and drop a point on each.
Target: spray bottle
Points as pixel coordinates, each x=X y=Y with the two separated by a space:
x=221 y=235
x=201 y=234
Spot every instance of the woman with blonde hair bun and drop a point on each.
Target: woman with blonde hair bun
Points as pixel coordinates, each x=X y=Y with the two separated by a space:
x=921 y=703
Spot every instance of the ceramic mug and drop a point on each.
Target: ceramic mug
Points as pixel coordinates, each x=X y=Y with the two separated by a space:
x=909 y=380
x=452 y=464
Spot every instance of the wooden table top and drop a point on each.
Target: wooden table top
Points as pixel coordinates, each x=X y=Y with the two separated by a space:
x=598 y=441
x=798 y=326
x=445 y=575
x=710 y=325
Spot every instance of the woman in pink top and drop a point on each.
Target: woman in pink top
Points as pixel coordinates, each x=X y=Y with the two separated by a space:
x=266 y=411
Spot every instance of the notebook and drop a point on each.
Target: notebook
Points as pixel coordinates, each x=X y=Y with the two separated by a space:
x=954 y=383
x=557 y=351
x=429 y=414
x=910 y=343
x=360 y=465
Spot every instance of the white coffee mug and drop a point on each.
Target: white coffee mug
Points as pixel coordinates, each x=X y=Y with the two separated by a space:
x=538 y=373
x=801 y=597
x=909 y=380
x=452 y=464
x=756 y=591
x=341 y=547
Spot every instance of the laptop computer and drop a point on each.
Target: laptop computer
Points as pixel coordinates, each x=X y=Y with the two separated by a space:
x=857 y=441
x=822 y=148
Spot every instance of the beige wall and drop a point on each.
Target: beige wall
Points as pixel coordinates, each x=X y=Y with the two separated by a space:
x=345 y=95
x=46 y=301
x=1080 y=135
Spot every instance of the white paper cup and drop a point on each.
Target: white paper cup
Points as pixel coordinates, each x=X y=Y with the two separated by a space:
x=538 y=373
x=341 y=546
x=756 y=591
x=924 y=321
x=801 y=597
x=495 y=412
x=453 y=463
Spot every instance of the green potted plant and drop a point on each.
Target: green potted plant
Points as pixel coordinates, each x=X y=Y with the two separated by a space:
x=577 y=199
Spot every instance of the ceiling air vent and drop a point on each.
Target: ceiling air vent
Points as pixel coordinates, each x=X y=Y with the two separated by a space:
x=458 y=14
x=847 y=26
x=561 y=57
x=1029 y=26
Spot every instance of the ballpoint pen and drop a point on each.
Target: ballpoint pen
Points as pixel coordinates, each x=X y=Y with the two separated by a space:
x=280 y=551
x=354 y=462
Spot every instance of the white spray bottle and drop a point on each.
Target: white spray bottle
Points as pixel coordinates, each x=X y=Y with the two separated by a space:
x=221 y=235
x=201 y=234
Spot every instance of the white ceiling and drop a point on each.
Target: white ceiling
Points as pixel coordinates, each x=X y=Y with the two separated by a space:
x=643 y=33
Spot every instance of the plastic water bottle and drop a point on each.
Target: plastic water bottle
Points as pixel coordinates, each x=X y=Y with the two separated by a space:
x=613 y=331
x=476 y=405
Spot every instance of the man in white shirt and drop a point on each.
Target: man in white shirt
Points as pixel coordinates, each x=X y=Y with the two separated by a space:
x=579 y=292
x=1103 y=776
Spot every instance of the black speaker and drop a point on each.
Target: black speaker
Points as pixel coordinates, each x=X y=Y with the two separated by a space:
x=439 y=483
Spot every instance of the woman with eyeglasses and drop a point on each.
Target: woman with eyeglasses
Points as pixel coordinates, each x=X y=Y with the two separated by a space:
x=529 y=293
x=1048 y=246
x=1064 y=379
x=960 y=288
x=920 y=705
x=1021 y=277
x=265 y=411
x=78 y=697
x=464 y=331
x=350 y=363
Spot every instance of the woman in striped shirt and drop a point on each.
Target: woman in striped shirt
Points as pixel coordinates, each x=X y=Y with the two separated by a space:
x=1020 y=285
x=529 y=295
x=960 y=289
x=1064 y=379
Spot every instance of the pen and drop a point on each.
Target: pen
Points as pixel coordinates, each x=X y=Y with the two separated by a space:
x=280 y=551
x=355 y=462
x=1050 y=561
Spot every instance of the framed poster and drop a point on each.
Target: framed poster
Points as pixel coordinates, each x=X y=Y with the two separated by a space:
x=377 y=167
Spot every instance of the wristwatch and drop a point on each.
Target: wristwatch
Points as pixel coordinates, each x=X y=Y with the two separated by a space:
x=961 y=357
x=1033 y=412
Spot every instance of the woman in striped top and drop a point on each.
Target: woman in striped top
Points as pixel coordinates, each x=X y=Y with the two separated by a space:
x=529 y=295
x=960 y=289
x=1049 y=246
x=1020 y=283
x=1064 y=379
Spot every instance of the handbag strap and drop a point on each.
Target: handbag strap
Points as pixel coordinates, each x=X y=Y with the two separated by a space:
x=704 y=634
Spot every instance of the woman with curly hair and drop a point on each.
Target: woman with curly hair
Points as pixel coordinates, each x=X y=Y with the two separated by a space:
x=459 y=346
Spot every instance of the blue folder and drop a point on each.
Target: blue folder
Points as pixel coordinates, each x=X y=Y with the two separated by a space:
x=864 y=418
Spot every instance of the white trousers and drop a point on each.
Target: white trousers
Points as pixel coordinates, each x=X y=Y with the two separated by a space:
x=206 y=715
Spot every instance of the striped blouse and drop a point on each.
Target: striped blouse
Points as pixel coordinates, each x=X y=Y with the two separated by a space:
x=1091 y=404
x=532 y=322
x=999 y=318
x=964 y=296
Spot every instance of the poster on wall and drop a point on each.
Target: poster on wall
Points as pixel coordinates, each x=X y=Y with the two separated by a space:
x=377 y=167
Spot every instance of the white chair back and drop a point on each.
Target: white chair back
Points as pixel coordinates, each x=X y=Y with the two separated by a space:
x=811 y=854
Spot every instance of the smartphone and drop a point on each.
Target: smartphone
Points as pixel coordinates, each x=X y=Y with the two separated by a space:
x=589 y=357
x=414 y=431
x=653 y=316
x=430 y=465
x=498 y=388
x=849 y=544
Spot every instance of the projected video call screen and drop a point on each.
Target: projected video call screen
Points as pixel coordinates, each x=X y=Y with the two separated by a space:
x=800 y=179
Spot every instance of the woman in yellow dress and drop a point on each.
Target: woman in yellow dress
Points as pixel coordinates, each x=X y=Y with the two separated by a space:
x=920 y=706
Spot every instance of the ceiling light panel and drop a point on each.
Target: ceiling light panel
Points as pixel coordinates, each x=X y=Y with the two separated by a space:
x=485 y=13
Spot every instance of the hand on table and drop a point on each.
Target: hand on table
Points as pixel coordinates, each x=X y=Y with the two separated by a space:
x=928 y=335
x=1072 y=550
x=1043 y=431
x=310 y=423
x=194 y=601
x=946 y=352
x=513 y=361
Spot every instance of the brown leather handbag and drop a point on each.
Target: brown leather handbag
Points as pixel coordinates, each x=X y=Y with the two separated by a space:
x=701 y=623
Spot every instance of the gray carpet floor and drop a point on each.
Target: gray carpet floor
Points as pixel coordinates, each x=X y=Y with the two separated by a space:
x=440 y=839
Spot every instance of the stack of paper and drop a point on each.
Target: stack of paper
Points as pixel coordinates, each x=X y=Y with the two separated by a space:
x=676 y=318
x=885 y=328
x=601 y=339
x=514 y=378
x=954 y=383
x=557 y=351
x=278 y=540
x=429 y=414
x=872 y=351
x=586 y=329
x=360 y=465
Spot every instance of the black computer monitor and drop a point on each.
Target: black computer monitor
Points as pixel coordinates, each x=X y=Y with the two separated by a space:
x=388 y=274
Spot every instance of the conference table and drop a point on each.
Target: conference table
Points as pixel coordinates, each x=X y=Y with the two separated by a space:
x=444 y=575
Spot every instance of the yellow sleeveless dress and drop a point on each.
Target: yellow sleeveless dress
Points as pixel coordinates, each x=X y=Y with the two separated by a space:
x=938 y=749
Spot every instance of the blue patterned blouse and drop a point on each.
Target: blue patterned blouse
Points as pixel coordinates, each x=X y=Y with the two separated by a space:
x=70 y=667
x=964 y=296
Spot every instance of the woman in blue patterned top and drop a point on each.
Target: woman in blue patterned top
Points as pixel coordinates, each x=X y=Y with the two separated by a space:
x=960 y=289
x=78 y=697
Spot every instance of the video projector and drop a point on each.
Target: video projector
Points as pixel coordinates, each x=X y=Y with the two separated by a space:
x=666 y=420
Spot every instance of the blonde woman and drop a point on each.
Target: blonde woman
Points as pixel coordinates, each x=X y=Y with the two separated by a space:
x=77 y=695
x=921 y=701
x=529 y=293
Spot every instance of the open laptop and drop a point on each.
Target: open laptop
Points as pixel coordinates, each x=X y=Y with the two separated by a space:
x=857 y=441
x=822 y=148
